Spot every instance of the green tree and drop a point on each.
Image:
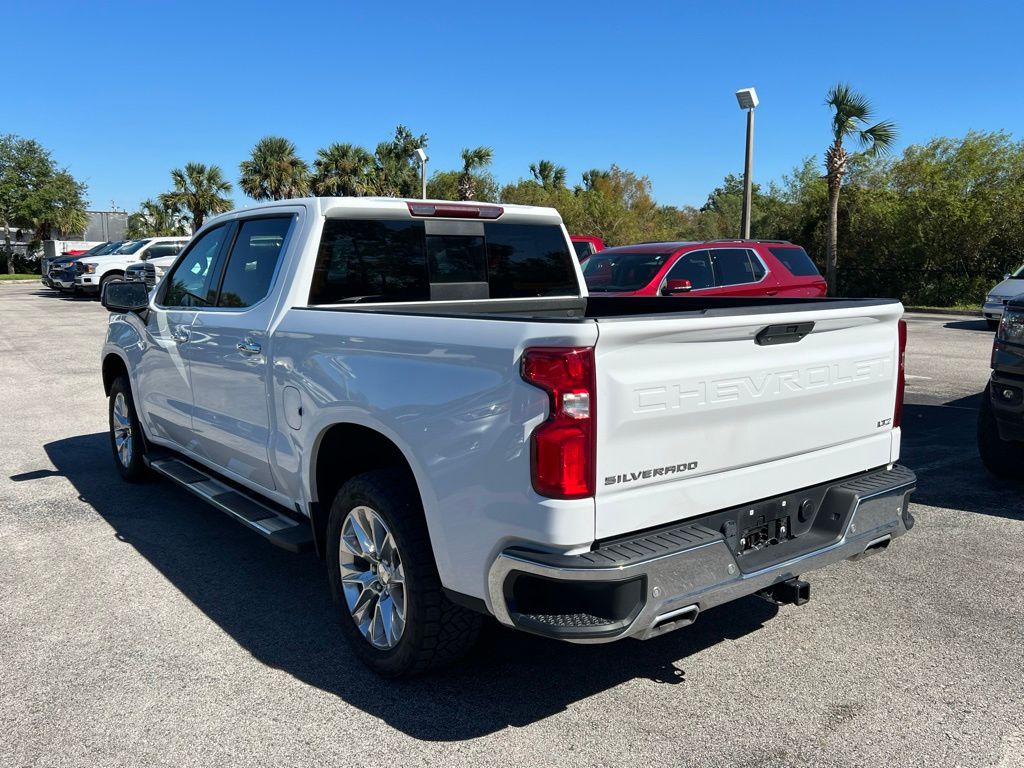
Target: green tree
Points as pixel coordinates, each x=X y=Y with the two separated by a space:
x=396 y=170
x=851 y=116
x=35 y=194
x=444 y=185
x=342 y=169
x=274 y=171
x=548 y=174
x=472 y=161
x=200 y=190
x=157 y=218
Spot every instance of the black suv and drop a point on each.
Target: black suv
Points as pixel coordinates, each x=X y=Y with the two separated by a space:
x=1001 y=416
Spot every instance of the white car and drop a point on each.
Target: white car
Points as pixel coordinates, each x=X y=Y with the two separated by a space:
x=424 y=393
x=98 y=271
x=1012 y=285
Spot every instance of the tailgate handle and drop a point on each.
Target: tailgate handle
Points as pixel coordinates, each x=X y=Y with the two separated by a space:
x=788 y=333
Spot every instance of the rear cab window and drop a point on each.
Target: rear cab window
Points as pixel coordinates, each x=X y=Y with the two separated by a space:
x=389 y=260
x=795 y=260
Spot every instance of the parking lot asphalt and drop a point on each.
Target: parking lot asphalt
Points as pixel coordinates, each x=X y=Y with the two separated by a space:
x=139 y=627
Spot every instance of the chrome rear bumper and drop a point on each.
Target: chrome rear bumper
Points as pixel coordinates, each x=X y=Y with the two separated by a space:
x=661 y=580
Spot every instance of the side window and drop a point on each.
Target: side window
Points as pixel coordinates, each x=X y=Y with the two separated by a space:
x=367 y=260
x=756 y=267
x=733 y=267
x=191 y=282
x=163 y=249
x=796 y=260
x=695 y=267
x=252 y=261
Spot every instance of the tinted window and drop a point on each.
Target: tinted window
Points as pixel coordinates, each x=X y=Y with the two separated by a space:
x=131 y=246
x=583 y=249
x=456 y=259
x=695 y=267
x=610 y=271
x=796 y=261
x=163 y=249
x=733 y=266
x=371 y=261
x=1019 y=273
x=529 y=260
x=252 y=261
x=396 y=261
x=190 y=283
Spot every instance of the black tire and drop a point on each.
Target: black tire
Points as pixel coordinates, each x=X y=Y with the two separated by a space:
x=1003 y=458
x=134 y=469
x=436 y=632
x=992 y=324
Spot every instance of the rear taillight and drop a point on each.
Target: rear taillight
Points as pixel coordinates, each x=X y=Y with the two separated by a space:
x=562 y=448
x=901 y=377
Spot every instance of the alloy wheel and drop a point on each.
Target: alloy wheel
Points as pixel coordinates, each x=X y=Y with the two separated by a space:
x=122 y=427
x=372 y=577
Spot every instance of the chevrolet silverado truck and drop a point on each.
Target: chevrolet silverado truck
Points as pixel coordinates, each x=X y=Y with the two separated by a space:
x=423 y=393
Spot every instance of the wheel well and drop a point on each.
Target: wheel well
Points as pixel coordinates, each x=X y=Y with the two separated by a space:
x=113 y=366
x=347 y=450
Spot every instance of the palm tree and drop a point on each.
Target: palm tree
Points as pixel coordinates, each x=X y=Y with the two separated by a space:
x=472 y=159
x=852 y=114
x=200 y=190
x=274 y=171
x=156 y=218
x=548 y=175
x=342 y=169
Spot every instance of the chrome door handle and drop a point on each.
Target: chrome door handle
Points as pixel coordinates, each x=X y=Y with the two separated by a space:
x=180 y=334
x=249 y=347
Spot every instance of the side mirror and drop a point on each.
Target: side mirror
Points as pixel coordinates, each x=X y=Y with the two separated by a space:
x=126 y=297
x=673 y=287
x=1006 y=276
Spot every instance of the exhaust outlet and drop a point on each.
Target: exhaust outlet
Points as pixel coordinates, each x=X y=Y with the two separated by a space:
x=681 y=617
x=874 y=547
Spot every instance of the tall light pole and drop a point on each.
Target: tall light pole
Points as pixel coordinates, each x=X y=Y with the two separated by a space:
x=747 y=98
x=423 y=168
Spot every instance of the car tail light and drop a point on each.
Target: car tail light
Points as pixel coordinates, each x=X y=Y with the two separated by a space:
x=562 y=449
x=901 y=377
x=454 y=211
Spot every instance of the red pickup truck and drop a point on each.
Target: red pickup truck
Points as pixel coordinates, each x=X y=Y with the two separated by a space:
x=717 y=268
x=586 y=245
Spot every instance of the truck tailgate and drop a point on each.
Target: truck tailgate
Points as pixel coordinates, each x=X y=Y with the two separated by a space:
x=695 y=415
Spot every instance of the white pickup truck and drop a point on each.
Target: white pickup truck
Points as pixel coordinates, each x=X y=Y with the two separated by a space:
x=423 y=393
x=96 y=272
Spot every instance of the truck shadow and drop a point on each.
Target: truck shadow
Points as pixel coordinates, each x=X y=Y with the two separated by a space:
x=978 y=324
x=277 y=606
x=939 y=444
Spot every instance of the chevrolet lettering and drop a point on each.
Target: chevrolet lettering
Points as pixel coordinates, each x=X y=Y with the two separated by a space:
x=759 y=386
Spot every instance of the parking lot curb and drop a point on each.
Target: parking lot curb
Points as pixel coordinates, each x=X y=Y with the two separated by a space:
x=20 y=282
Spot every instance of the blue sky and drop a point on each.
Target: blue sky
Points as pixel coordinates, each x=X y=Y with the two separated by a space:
x=123 y=92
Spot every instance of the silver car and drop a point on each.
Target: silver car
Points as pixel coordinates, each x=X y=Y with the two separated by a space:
x=1012 y=285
